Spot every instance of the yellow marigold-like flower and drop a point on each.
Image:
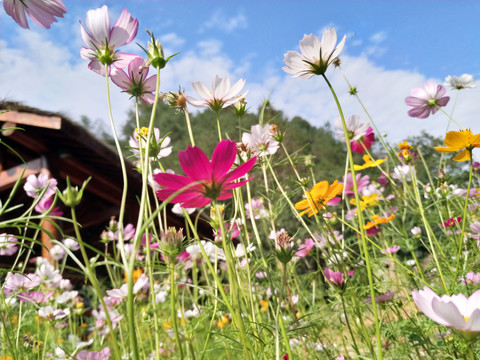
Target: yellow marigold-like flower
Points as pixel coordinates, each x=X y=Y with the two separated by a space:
x=460 y=140
x=367 y=201
x=377 y=220
x=222 y=322
x=368 y=163
x=316 y=198
x=264 y=304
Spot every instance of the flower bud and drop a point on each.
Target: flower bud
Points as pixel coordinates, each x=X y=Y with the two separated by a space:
x=239 y=108
x=175 y=99
x=155 y=53
x=171 y=242
x=71 y=196
x=283 y=247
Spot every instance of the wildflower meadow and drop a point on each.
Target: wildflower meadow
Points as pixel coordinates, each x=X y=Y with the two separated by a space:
x=380 y=262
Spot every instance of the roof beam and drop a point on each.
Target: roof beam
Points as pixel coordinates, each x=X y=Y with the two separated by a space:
x=24 y=118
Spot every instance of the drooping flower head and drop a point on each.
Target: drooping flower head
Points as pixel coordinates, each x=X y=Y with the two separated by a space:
x=465 y=81
x=321 y=194
x=360 y=134
x=208 y=179
x=460 y=140
x=135 y=81
x=260 y=140
x=220 y=96
x=42 y=12
x=101 y=40
x=456 y=311
x=316 y=55
x=427 y=100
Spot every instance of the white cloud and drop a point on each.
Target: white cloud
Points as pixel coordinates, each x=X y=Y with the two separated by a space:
x=221 y=21
x=378 y=37
x=42 y=74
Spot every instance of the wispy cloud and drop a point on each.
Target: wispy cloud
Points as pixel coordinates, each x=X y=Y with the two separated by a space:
x=222 y=21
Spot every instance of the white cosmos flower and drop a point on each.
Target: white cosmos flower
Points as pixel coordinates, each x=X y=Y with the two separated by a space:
x=316 y=55
x=260 y=140
x=465 y=81
x=456 y=311
x=220 y=96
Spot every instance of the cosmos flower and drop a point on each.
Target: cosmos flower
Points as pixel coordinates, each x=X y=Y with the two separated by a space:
x=135 y=81
x=466 y=81
x=43 y=13
x=20 y=282
x=368 y=163
x=208 y=179
x=460 y=140
x=44 y=206
x=456 y=311
x=377 y=220
x=102 y=40
x=366 y=201
x=427 y=100
x=94 y=355
x=35 y=185
x=260 y=140
x=158 y=145
x=316 y=55
x=334 y=277
x=321 y=194
x=8 y=245
x=391 y=250
x=220 y=96
x=362 y=181
x=360 y=134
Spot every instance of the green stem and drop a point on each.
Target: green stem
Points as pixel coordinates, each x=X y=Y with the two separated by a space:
x=361 y=222
x=218 y=126
x=173 y=295
x=189 y=127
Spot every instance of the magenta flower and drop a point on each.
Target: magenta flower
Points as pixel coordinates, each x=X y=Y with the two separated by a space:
x=101 y=40
x=135 y=81
x=94 y=355
x=42 y=12
x=427 y=100
x=44 y=206
x=220 y=96
x=334 y=277
x=35 y=185
x=456 y=311
x=208 y=179
x=8 y=245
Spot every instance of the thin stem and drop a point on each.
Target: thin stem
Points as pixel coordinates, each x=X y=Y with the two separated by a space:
x=173 y=295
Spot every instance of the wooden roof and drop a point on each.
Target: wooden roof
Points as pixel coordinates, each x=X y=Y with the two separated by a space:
x=53 y=142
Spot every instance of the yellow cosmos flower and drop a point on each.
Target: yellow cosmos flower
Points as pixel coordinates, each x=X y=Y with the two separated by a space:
x=377 y=220
x=368 y=163
x=223 y=322
x=320 y=194
x=367 y=201
x=460 y=140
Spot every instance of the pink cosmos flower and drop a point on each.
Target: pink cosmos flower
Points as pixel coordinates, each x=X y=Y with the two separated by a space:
x=208 y=179
x=232 y=231
x=19 y=282
x=316 y=55
x=35 y=185
x=427 y=100
x=94 y=355
x=8 y=245
x=135 y=81
x=334 y=277
x=470 y=278
x=305 y=248
x=101 y=40
x=362 y=181
x=260 y=140
x=360 y=134
x=452 y=221
x=221 y=95
x=258 y=209
x=44 y=206
x=456 y=311
x=42 y=12
x=391 y=250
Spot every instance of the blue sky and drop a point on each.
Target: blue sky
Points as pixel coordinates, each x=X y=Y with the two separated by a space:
x=391 y=47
